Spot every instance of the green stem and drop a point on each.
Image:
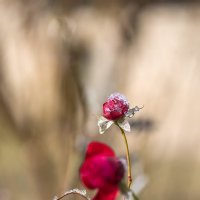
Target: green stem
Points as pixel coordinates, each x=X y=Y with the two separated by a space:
x=127 y=157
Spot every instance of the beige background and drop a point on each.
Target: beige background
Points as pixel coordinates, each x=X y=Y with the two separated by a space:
x=59 y=62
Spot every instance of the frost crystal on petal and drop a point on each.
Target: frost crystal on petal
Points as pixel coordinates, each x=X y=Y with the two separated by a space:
x=124 y=124
x=104 y=124
x=118 y=96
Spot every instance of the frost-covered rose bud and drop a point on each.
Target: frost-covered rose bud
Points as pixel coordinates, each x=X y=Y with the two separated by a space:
x=115 y=107
x=115 y=111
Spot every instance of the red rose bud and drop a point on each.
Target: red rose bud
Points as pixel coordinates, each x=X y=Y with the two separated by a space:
x=102 y=170
x=115 y=107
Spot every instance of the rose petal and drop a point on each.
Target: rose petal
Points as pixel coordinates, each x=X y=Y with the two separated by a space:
x=98 y=149
x=102 y=172
x=104 y=124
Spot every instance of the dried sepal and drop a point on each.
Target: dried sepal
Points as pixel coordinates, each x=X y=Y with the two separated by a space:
x=104 y=124
x=132 y=111
x=124 y=124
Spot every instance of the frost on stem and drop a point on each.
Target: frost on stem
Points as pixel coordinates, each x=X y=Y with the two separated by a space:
x=75 y=191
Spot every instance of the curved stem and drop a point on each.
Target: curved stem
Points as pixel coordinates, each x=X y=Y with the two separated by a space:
x=127 y=157
x=70 y=193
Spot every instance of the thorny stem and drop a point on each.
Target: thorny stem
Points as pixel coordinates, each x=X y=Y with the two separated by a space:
x=127 y=157
x=69 y=193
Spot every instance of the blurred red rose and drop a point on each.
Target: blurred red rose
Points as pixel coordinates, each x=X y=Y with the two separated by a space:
x=102 y=170
x=115 y=107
